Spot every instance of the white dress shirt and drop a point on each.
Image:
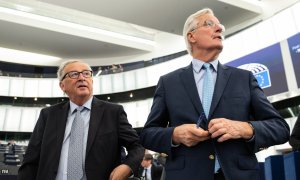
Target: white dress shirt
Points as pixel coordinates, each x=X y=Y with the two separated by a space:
x=148 y=172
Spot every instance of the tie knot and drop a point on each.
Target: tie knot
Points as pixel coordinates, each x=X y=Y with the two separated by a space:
x=79 y=108
x=206 y=65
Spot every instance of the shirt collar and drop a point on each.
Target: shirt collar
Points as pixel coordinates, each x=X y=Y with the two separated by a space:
x=87 y=105
x=149 y=167
x=197 y=64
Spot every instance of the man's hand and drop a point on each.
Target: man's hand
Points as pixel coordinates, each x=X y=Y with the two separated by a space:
x=226 y=129
x=121 y=172
x=189 y=135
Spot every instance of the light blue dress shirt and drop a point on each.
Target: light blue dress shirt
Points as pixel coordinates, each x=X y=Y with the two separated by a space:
x=63 y=162
x=199 y=79
x=199 y=74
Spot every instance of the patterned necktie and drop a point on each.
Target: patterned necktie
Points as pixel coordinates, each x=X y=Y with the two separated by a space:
x=75 y=155
x=208 y=88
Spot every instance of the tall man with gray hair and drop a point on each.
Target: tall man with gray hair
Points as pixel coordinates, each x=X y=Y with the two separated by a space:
x=210 y=119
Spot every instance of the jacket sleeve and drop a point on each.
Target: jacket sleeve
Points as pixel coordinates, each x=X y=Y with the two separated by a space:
x=29 y=167
x=270 y=128
x=156 y=135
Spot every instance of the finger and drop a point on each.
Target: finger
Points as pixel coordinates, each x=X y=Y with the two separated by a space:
x=219 y=132
x=205 y=138
x=212 y=122
x=224 y=137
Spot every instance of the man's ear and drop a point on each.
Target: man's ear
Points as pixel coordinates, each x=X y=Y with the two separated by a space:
x=62 y=86
x=190 y=37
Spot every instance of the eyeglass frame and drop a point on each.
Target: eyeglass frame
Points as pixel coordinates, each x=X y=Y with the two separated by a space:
x=77 y=74
x=210 y=24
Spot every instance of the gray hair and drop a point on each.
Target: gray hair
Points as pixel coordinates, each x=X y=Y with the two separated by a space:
x=191 y=23
x=60 y=71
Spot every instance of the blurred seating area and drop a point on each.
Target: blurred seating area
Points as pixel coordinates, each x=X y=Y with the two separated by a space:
x=281 y=167
x=11 y=157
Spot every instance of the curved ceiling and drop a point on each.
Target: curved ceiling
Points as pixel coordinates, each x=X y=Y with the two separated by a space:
x=131 y=16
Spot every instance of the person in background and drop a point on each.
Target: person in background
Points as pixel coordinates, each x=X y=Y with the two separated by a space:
x=11 y=143
x=149 y=171
x=210 y=119
x=295 y=136
x=81 y=137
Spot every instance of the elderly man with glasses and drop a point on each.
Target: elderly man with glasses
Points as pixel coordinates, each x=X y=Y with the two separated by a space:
x=80 y=139
x=210 y=119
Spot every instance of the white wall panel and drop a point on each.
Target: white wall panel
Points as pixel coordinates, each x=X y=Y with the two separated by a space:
x=106 y=84
x=265 y=34
x=96 y=85
x=141 y=78
x=57 y=92
x=118 y=82
x=142 y=111
x=130 y=109
x=232 y=49
x=16 y=87
x=129 y=80
x=4 y=90
x=2 y=117
x=153 y=75
x=296 y=15
x=249 y=41
x=283 y=24
x=45 y=88
x=31 y=87
x=28 y=119
x=13 y=117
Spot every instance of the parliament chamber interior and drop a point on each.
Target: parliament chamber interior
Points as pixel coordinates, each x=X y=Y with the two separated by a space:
x=268 y=46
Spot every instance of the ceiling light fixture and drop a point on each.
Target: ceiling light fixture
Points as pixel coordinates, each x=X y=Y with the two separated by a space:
x=75 y=28
x=17 y=56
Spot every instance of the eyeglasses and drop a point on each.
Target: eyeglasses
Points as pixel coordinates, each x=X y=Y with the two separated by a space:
x=210 y=24
x=76 y=74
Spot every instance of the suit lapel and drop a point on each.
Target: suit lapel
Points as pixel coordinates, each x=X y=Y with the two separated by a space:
x=61 y=117
x=188 y=81
x=221 y=82
x=95 y=119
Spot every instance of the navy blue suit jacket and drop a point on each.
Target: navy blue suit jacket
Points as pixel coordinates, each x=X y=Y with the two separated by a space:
x=237 y=96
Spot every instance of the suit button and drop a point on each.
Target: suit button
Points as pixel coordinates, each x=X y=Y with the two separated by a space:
x=211 y=157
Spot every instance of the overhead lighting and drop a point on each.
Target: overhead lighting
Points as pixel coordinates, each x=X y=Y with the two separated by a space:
x=23 y=8
x=12 y=55
x=99 y=72
x=74 y=28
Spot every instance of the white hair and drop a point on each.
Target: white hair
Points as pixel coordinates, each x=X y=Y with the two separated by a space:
x=191 y=23
x=60 y=71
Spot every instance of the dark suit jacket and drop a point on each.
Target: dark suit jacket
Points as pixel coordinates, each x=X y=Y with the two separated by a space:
x=295 y=136
x=108 y=131
x=156 y=172
x=237 y=96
